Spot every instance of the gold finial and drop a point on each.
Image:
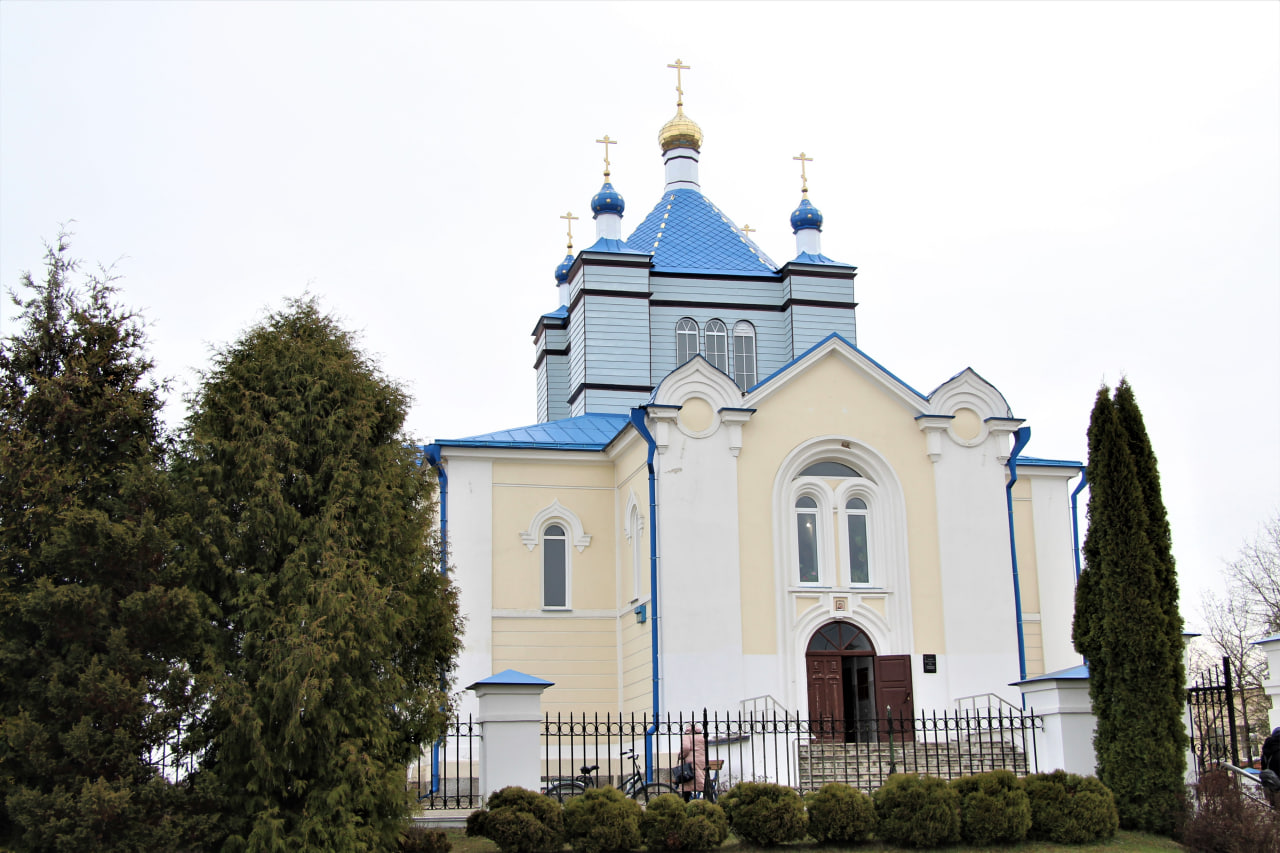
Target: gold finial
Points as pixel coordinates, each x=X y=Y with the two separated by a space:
x=746 y=231
x=804 y=181
x=607 y=142
x=679 y=91
x=569 y=217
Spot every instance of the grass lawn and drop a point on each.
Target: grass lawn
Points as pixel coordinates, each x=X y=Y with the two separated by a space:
x=1124 y=842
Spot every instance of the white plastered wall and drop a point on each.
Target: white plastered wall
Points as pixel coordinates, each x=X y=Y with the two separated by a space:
x=471 y=555
x=1051 y=503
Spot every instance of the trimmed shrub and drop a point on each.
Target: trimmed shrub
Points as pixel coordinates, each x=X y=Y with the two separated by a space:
x=917 y=811
x=994 y=808
x=1070 y=809
x=602 y=820
x=1225 y=820
x=419 y=839
x=840 y=814
x=765 y=814
x=520 y=821
x=669 y=823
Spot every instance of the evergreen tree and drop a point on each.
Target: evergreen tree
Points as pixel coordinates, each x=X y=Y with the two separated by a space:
x=313 y=529
x=94 y=619
x=1126 y=623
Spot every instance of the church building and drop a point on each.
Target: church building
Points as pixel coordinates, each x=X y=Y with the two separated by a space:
x=726 y=504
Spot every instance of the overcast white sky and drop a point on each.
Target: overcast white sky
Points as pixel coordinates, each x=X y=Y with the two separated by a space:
x=1055 y=194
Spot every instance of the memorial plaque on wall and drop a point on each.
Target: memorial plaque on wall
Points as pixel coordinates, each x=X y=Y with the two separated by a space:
x=930 y=663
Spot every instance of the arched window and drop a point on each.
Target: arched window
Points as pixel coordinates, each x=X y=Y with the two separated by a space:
x=555 y=567
x=828 y=468
x=744 y=354
x=807 y=539
x=638 y=563
x=855 y=514
x=686 y=340
x=718 y=345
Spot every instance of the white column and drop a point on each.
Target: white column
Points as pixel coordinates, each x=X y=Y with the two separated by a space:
x=1271 y=685
x=510 y=730
x=1062 y=699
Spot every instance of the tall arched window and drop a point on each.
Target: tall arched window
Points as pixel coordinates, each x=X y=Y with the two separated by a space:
x=807 y=539
x=686 y=340
x=718 y=345
x=744 y=354
x=555 y=567
x=638 y=563
x=855 y=514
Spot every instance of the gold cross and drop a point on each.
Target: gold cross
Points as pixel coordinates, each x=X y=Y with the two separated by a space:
x=746 y=231
x=679 y=91
x=804 y=181
x=607 y=142
x=569 y=217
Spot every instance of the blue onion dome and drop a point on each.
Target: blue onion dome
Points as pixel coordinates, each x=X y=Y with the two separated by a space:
x=806 y=216
x=608 y=200
x=562 y=271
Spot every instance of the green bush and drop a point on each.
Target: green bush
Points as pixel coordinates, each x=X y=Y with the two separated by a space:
x=602 y=820
x=520 y=821
x=994 y=808
x=419 y=839
x=840 y=813
x=765 y=814
x=669 y=823
x=1070 y=809
x=917 y=811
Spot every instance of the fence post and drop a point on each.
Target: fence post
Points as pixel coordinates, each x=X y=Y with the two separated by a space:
x=510 y=730
x=1061 y=699
x=1271 y=684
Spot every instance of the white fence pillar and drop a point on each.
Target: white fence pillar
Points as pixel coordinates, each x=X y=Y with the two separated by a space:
x=510 y=730
x=1062 y=700
x=1271 y=648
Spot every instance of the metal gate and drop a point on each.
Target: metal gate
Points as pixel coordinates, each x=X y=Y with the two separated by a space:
x=1211 y=710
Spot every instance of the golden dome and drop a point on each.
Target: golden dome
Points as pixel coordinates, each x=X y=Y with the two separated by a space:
x=680 y=132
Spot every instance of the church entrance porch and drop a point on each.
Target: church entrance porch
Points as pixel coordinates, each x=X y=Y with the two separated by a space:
x=853 y=692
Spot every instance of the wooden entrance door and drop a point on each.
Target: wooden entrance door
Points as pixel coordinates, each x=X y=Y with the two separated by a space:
x=838 y=660
x=826 y=699
x=893 y=693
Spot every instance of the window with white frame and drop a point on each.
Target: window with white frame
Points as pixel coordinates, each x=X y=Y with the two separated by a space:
x=637 y=553
x=807 y=539
x=857 y=550
x=717 y=340
x=744 y=354
x=686 y=340
x=555 y=566
x=832 y=506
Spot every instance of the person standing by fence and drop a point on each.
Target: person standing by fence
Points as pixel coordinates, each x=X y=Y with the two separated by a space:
x=693 y=750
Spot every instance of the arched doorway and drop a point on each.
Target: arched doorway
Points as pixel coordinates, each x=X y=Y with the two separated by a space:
x=850 y=686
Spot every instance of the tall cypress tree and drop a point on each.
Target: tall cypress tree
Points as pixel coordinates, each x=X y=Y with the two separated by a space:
x=1126 y=623
x=312 y=527
x=94 y=618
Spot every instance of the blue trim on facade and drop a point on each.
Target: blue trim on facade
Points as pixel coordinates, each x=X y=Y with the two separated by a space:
x=844 y=341
x=686 y=232
x=1034 y=462
x=584 y=432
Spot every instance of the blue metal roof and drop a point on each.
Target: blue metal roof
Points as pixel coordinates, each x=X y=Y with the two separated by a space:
x=685 y=232
x=1071 y=673
x=809 y=258
x=585 y=432
x=618 y=247
x=512 y=676
x=1036 y=462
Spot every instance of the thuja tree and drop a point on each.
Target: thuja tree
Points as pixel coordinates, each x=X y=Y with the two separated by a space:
x=312 y=527
x=94 y=619
x=1127 y=623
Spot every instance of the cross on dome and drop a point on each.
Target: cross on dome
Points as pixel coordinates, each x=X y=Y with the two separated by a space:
x=569 y=217
x=607 y=142
x=679 y=66
x=804 y=181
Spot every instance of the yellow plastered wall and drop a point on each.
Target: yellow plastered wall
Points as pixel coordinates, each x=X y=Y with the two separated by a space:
x=871 y=415
x=578 y=654
x=1024 y=533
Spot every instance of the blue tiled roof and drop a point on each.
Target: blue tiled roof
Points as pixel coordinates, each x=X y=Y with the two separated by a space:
x=685 y=232
x=585 y=432
x=809 y=258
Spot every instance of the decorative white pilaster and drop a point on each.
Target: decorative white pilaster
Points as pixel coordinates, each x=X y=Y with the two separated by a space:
x=1062 y=699
x=510 y=730
x=1271 y=685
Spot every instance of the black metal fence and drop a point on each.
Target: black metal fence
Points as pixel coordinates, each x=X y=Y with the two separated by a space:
x=789 y=750
x=1211 y=710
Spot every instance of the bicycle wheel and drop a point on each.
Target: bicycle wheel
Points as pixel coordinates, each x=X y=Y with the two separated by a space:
x=645 y=793
x=563 y=792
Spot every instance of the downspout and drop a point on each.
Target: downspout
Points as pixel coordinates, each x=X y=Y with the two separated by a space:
x=1075 y=518
x=1020 y=439
x=637 y=421
x=432 y=454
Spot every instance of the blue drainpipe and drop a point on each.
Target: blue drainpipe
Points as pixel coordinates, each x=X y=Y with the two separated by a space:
x=637 y=421
x=1020 y=439
x=1075 y=518
x=432 y=453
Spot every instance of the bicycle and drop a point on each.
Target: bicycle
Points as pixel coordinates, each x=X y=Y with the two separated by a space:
x=633 y=786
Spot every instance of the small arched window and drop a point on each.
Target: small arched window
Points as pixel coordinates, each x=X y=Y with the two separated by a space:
x=744 y=354
x=855 y=514
x=555 y=567
x=807 y=539
x=686 y=340
x=718 y=345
